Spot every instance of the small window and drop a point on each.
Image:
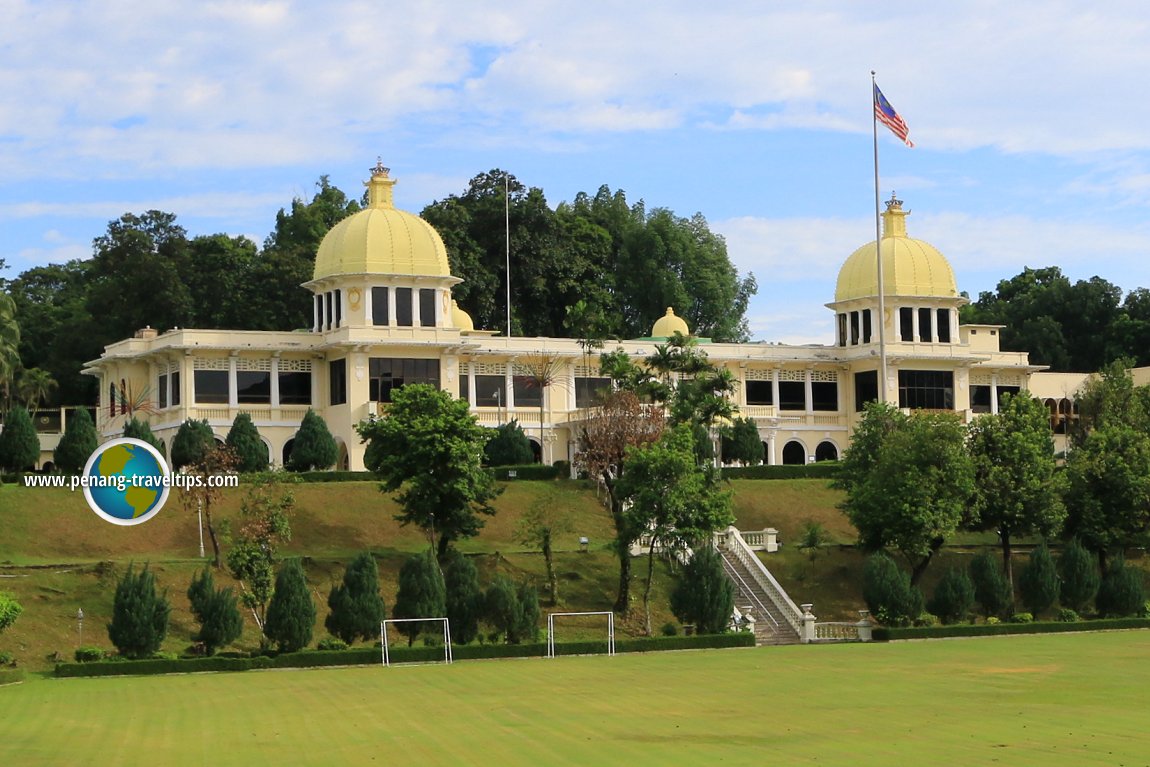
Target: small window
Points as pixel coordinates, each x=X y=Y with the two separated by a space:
x=162 y=391
x=175 y=398
x=427 y=307
x=926 y=389
x=792 y=395
x=825 y=396
x=330 y=310
x=759 y=393
x=924 y=325
x=338 y=307
x=403 y=307
x=295 y=388
x=490 y=391
x=464 y=387
x=866 y=389
x=842 y=330
x=527 y=391
x=319 y=311
x=337 y=381
x=253 y=387
x=866 y=326
x=854 y=328
x=379 y=306
x=211 y=387
x=980 y=399
x=590 y=392
x=943 y=326
x=906 y=324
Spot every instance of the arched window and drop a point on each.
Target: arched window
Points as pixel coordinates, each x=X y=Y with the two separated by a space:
x=111 y=400
x=826 y=451
x=123 y=397
x=794 y=453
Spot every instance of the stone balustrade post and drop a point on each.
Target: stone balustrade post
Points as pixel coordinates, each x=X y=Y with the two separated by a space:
x=808 y=632
x=865 y=627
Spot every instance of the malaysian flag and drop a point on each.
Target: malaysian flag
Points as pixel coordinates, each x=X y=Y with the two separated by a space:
x=886 y=115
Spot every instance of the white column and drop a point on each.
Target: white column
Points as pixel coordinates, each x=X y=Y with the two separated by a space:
x=315 y=314
x=367 y=310
x=994 y=393
x=509 y=389
x=233 y=388
x=914 y=336
x=275 y=381
x=809 y=391
x=471 y=384
x=391 y=302
x=952 y=315
x=775 y=388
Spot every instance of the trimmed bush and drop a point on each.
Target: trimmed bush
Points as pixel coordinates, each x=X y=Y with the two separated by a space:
x=464 y=597
x=1038 y=583
x=531 y=471
x=991 y=589
x=244 y=440
x=1122 y=591
x=1000 y=629
x=1078 y=571
x=892 y=600
x=19 y=444
x=331 y=643
x=215 y=611
x=192 y=443
x=77 y=444
x=527 y=628
x=10 y=610
x=141 y=430
x=139 y=615
x=820 y=470
x=508 y=446
x=291 y=612
x=89 y=654
x=704 y=596
x=1066 y=615
x=421 y=594
x=314 y=447
x=356 y=606
x=953 y=597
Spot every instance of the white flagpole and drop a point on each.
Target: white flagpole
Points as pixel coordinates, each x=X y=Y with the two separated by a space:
x=507 y=231
x=882 y=382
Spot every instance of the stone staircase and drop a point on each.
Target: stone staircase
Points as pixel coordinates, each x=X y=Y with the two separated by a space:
x=771 y=624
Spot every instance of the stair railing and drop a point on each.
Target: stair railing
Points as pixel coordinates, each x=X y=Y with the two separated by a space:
x=731 y=540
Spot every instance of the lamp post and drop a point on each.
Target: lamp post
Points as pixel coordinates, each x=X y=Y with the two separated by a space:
x=200 y=518
x=80 y=626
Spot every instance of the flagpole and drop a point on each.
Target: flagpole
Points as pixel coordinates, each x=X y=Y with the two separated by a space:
x=507 y=237
x=882 y=386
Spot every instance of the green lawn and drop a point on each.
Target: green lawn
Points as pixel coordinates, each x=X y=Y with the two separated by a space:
x=1073 y=700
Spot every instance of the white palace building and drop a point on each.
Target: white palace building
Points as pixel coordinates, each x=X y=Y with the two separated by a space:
x=384 y=317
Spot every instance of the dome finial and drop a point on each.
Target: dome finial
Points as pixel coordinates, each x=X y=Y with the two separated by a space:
x=379 y=187
x=894 y=218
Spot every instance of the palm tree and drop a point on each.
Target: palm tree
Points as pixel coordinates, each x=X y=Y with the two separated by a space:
x=34 y=386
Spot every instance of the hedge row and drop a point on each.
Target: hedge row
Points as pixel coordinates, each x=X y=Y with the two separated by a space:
x=11 y=675
x=1001 y=629
x=362 y=656
x=528 y=471
x=821 y=470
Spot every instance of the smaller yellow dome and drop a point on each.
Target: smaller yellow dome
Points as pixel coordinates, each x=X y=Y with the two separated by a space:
x=668 y=325
x=460 y=318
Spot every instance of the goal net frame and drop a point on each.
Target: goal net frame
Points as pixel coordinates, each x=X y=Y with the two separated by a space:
x=551 y=630
x=447 y=654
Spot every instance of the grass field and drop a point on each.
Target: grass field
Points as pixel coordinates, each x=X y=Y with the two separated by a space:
x=1053 y=700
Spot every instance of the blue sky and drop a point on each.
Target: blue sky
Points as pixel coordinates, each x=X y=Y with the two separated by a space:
x=1030 y=121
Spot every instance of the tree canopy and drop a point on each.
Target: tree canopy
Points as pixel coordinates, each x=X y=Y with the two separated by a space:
x=428 y=449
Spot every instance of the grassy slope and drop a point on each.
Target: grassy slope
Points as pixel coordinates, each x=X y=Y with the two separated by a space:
x=1053 y=700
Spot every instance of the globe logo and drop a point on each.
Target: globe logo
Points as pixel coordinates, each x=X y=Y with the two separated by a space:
x=126 y=481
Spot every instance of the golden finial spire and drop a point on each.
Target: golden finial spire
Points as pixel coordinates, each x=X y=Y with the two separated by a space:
x=379 y=188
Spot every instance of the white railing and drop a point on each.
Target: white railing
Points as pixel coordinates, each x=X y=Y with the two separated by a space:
x=746 y=589
x=834 y=631
x=732 y=541
x=766 y=539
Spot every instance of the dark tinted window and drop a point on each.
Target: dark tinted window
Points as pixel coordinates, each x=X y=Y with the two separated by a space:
x=211 y=386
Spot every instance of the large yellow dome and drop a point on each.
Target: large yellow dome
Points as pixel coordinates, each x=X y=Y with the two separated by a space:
x=910 y=267
x=381 y=240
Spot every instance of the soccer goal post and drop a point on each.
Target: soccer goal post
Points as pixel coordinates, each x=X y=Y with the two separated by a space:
x=551 y=630
x=447 y=656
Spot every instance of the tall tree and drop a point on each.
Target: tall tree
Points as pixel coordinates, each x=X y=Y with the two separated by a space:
x=9 y=347
x=1108 y=499
x=265 y=525
x=428 y=449
x=1018 y=489
x=135 y=276
x=670 y=499
x=621 y=423
x=216 y=612
x=704 y=596
x=192 y=443
x=908 y=482
x=34 y=387
x=548 y=517
x=464 y=598
x=508 y=446
x=742 y=443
